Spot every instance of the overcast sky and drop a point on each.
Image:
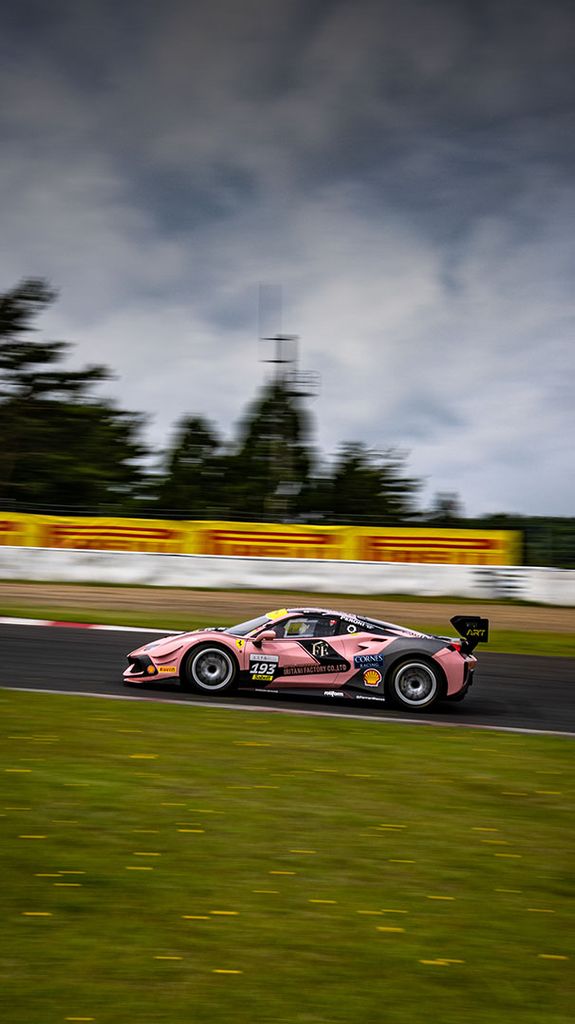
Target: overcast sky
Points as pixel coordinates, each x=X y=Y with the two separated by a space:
x=404 y=170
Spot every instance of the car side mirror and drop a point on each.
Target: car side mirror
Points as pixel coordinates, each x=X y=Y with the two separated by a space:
x=268 y=634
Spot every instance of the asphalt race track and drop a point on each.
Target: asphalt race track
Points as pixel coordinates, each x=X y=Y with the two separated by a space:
x=511 y=691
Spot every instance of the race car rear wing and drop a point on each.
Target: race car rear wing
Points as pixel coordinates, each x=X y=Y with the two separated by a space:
x=473 y=629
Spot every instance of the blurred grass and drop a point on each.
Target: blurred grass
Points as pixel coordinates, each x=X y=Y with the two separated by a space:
x=501 y=641
x=311 y=835
x=268 y=591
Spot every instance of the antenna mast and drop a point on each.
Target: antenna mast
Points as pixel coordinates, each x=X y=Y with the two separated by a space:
x=285 y=353
x=294 y=385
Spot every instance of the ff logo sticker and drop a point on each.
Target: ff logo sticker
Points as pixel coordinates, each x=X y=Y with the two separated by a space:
x=320 y=649
x=263 y=668
x=372 y=677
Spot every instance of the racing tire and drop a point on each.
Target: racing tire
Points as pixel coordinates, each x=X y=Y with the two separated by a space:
x=415 y=684
x=209 y=669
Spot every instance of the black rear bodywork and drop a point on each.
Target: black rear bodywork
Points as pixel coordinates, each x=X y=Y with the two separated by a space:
x=473 y=629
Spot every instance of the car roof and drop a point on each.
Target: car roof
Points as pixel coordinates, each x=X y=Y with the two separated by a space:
x=323 y=611
x=350 y=616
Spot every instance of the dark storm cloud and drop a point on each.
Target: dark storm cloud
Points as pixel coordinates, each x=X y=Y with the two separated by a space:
x=405 y=170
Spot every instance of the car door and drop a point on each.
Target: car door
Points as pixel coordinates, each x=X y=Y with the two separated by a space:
x=306 y=653
x=366 y=654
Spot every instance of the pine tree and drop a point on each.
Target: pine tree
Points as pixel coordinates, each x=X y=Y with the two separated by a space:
x=59 y=446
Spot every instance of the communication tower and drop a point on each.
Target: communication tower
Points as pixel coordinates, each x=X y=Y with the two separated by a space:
x=284 y=355
x=297 y=384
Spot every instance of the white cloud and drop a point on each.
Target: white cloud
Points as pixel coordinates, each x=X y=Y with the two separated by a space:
x=429 y=279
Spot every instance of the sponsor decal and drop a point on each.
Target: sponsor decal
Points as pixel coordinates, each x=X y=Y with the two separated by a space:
x=321 y=650
x=368 y=660
x=278 y=614
x=263 y=668
x=372 y=677
x=365 y=625
x=14 y=532
x=240 y=644
x=324 y=652
x=314 y=670
x=355 y=620
x=112 y=535
x=363 y=696
x=333 y=693
x=458 y=547
x=273 y=541
x=472 y=627
x=167 y=669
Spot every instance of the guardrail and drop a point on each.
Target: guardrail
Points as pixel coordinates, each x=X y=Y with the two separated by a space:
x=543 y=585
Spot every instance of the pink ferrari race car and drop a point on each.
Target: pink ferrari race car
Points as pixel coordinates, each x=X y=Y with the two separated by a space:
x=312 y=651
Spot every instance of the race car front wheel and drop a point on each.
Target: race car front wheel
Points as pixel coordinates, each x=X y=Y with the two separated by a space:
x=415 y=684
x=209 y=669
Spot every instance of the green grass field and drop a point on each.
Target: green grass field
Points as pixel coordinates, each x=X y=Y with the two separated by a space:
x=192 y=864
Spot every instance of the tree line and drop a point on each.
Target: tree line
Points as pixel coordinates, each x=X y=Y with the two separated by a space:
x=65 y=448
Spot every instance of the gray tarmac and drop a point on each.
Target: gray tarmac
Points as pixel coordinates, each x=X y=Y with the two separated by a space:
x=510 y=691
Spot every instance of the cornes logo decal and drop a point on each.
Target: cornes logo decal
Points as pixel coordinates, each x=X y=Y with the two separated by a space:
x=368 y=660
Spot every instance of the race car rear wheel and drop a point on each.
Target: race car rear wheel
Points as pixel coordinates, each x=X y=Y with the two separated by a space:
x=415 y=684
x=209 y=668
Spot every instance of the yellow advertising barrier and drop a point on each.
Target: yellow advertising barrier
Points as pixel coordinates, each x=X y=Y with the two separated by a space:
x=453 y=547
x=97 y=533
x=269 y=540
x=159 y=536
x=17 y=530
x=263 y=540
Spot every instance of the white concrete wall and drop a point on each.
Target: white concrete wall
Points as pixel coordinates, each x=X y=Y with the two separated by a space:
x=550 y=586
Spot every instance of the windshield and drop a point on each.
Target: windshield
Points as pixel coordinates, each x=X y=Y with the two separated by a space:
x=243 y=628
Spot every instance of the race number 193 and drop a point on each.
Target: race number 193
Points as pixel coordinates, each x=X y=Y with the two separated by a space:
x=263 y=669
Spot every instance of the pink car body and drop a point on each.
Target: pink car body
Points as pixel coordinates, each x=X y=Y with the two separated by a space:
x=316 y=651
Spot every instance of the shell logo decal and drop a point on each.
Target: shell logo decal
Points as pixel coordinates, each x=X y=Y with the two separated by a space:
x=372 y=677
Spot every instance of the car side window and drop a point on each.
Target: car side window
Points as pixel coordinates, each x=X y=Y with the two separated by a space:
x=327 y=625
x=307 y=626
x=299 y=627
